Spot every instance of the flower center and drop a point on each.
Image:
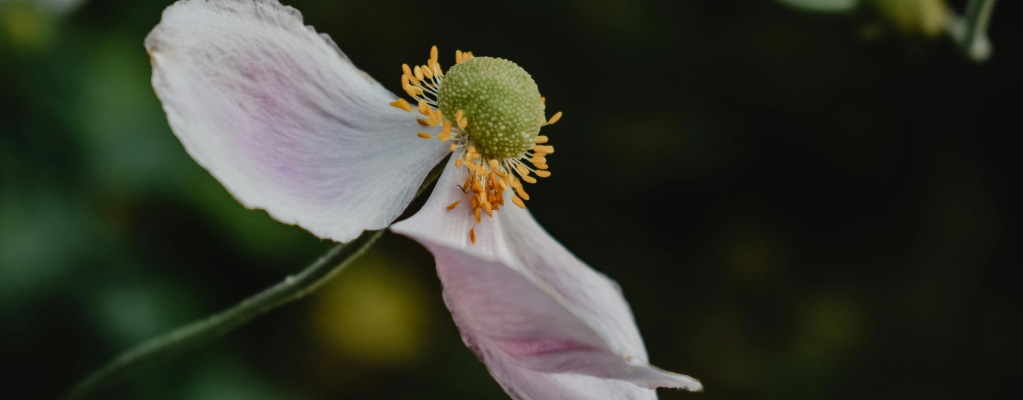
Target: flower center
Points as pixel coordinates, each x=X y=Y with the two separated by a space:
x=501 y=100
x=491 y=111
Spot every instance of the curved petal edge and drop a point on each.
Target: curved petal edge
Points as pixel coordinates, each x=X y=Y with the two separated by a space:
x=280 y=116
x=545 y=324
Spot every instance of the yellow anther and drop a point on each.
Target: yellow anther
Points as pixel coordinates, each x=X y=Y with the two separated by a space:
x=529 y=179
x=458 y=56
x=544 y=149
x=462 y=123
x=428 y=72
x=419 y=73
x=543 y=173
x=470 y=150
x=538 y=159
x=472 y=235
x=405 y=68
x=453 y=147
x=540 y=166
x=424 y=108
x=494 y=165
x=523 y=170
x=478 y=218
x=455 y=204
x=522 y=193
x=518 y=201
x=402 y=104
x=458 y=115
x=424 y=135
x=543 y=99
x=458 y=161
x=555 y=118
x=433 y=54
x=415 y=82
x=421 y=122
x=446 y=130
x=541 y=139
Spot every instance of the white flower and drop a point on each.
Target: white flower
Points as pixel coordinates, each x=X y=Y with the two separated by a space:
x=281 y=117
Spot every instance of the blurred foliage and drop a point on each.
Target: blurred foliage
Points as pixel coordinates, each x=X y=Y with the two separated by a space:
x=795 y=210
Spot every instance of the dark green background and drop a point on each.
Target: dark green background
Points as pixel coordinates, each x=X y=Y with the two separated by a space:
x=797 y=205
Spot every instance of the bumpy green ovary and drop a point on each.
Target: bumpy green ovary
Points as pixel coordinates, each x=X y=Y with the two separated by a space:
x=501 y=102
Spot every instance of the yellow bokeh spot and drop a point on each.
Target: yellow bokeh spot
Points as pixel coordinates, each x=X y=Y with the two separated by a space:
x=24 y=26
x=374 y=312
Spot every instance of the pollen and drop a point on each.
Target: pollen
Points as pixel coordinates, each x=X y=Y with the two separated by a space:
x=491 y=112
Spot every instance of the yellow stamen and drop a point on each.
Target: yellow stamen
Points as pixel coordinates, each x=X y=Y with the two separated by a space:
x=522 y=193
x=539 y=149
x=489 y=179
x=555 y=118
x=518 y=201
x=445 y=132
x=402 y=104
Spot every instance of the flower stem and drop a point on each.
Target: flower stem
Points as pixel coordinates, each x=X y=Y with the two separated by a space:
x=160 y=348
x=197 y=333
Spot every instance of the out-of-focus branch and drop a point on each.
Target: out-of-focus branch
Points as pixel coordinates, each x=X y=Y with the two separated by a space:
x=970 y=33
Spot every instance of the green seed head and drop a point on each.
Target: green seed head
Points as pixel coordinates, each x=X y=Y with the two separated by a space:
x=501 y=102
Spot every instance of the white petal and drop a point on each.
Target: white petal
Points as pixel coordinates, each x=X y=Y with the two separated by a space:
x=283 y=120
x=536 y=315
x=525 y=384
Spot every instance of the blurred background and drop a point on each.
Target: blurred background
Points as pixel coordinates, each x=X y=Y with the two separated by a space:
x=802 y=199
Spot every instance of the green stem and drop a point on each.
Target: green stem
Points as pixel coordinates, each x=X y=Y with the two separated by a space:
x=160 y=348
x=195 y=334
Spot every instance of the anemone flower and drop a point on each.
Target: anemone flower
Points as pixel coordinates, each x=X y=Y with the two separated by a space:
x=283 y=119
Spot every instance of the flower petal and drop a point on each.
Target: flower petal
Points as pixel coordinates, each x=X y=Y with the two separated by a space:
x=282 y=118
x=542 y=321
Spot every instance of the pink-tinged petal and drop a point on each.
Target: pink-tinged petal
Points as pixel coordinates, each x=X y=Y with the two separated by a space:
x=546 y=324
x=283 y=119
